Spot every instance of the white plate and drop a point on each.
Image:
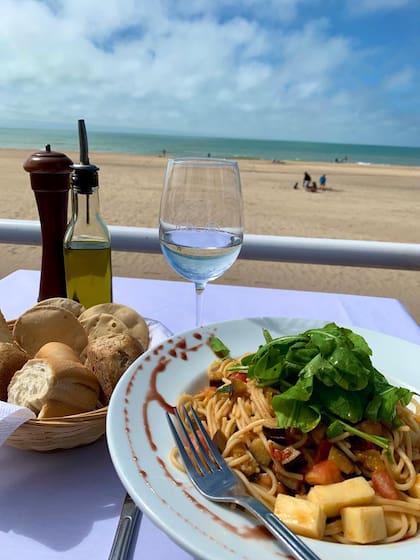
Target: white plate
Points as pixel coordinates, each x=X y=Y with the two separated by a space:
x=140 y=441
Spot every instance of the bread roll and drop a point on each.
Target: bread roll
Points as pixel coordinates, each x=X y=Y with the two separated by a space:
x=73 y=306
x=109 y=356
x=40 y=325
x=12 y=358
x=5 y=332
x=54 y=383
x=102 y=324
x=58 y=351
x=134 y=322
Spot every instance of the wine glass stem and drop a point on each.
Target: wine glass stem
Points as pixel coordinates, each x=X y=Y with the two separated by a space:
x=199 y=295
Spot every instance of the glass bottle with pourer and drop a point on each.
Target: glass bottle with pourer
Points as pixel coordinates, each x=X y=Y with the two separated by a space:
x=87 y=242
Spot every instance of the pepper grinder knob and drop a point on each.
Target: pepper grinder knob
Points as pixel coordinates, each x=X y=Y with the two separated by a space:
x=50 y=180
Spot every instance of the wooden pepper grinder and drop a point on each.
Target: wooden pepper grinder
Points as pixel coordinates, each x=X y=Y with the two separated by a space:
x=50 y=180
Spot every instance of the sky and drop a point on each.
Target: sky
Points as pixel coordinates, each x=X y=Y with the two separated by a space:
x=310 y=70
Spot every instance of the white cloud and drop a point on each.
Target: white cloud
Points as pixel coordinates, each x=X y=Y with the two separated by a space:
x=206 y=67
x=399 y=80
x=273 y=10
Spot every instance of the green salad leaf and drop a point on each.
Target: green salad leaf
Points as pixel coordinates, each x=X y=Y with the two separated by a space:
x=337 y=427
x=297 y=414
x=219 y=348
x=325 y=374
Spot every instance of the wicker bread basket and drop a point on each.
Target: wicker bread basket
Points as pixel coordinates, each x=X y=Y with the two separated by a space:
x=52 y=434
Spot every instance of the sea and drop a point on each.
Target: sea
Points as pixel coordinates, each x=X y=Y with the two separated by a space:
x=170 y=145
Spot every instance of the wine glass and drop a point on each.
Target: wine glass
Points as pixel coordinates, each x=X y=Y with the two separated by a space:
x=201 y=219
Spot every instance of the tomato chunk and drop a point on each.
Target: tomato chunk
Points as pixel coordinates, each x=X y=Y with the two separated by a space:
x=324 y=472
x=322 y=450
x=202 y=440
x=384 y=485
x=239 y=375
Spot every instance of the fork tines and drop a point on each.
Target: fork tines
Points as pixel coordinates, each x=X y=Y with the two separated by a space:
x=205 y=460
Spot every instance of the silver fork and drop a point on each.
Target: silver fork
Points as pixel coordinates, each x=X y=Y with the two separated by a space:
x=212 y=476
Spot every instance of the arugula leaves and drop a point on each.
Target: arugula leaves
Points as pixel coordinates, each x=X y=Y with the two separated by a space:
x=219 y=348
x=324 y=374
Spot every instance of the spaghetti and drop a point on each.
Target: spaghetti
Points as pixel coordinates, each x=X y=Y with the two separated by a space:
x=238 y=413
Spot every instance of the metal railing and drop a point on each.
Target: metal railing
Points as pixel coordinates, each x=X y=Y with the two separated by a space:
x=303 y=250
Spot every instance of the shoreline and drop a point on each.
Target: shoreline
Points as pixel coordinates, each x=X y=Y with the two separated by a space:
x=375 y=202
x=156 y=143
x=74 y=155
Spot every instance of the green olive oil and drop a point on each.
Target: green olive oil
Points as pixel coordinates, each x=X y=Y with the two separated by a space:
x=88 y=273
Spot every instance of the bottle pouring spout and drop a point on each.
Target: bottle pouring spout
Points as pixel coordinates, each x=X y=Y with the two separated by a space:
x=87 y=243
x=85 y=175
x=83 y=143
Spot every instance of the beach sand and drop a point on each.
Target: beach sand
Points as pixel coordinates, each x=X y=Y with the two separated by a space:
x=367 y=202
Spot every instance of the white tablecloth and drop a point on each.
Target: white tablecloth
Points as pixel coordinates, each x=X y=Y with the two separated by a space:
x=66 y=505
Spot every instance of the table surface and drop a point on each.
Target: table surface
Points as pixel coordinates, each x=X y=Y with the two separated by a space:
x=66 y=504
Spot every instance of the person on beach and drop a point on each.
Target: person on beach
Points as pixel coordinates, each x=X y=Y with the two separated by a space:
x=306 y=180
x=323 y=182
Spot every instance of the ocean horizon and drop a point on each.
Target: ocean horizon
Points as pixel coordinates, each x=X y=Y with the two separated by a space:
x=34 y=139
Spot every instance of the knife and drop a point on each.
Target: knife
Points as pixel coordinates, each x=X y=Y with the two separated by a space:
x=130 y=515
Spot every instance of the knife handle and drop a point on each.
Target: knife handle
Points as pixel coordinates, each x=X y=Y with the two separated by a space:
x=130 y=514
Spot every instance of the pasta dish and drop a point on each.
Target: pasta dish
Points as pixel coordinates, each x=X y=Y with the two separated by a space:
x=318 y=434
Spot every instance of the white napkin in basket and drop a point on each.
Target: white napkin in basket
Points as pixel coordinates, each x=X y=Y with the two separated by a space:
x=11 y=417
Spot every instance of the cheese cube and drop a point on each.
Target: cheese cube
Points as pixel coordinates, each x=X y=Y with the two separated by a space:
x=333 y=497
x=302 y=517
x=364 y=524
x=414 y=491
x=393 y=522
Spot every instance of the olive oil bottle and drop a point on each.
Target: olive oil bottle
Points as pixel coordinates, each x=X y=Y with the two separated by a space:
x=87 y=243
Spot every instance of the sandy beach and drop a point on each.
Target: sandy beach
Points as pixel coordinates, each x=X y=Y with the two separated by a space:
x=368 y=202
